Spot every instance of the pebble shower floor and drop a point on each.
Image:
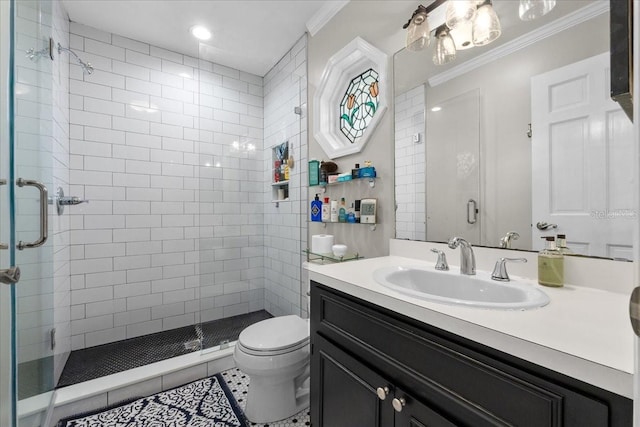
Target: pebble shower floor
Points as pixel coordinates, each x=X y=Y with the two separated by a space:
x=238 y=382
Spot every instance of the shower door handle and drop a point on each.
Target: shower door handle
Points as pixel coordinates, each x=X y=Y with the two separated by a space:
x=472 y=211
x=44 y=214
x=10 y=275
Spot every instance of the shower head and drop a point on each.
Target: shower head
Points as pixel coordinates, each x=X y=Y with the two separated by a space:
x=87 y=68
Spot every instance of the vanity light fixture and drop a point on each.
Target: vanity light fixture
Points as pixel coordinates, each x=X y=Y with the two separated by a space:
x=200 y=32
x=468 y=23
x=533 y=9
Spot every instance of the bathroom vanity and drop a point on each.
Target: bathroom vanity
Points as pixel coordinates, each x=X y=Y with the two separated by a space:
x=382 y=359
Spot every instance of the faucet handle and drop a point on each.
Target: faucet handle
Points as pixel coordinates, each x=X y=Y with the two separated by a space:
x=441 y=263
x=500 y=270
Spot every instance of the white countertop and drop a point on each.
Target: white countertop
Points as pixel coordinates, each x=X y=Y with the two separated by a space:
x=583 y=332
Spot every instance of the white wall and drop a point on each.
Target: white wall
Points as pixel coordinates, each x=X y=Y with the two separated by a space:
x=285 y=87
x=167 y=173
x=381 y=26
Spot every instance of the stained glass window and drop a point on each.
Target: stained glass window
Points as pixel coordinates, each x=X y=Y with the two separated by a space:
x=359 y=104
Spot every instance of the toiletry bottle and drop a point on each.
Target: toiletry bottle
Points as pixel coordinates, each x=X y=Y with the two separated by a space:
x=326 y=210
x=342 y=213
x=316 y=209
x=286 y=172
x=357 y=210
x=314 y=173
x=276 y=171
x=334 y=211
x=351 y=215
x=355 y=171
x=561 y=242
x=551 y=265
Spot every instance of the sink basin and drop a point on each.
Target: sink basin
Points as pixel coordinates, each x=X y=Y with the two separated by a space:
x=451 y=287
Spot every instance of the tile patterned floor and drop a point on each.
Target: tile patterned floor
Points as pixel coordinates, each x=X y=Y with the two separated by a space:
x=238 y=382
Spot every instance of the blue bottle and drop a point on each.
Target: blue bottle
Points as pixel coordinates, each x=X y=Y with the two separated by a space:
x=316 y=210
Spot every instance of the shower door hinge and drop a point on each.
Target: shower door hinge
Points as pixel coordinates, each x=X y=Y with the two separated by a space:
x=52 y=334
x=3 y=246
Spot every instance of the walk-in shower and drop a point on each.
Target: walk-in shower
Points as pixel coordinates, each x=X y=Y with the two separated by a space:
x=181 y=245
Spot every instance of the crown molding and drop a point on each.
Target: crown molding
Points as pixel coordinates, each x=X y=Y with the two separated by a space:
x=579 y=16
x=324 y=15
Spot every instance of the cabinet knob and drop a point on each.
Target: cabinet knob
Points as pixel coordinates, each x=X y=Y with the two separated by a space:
x=382 y=392
x=398 y=404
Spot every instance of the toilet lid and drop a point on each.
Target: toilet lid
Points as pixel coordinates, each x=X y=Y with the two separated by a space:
x=277 y=333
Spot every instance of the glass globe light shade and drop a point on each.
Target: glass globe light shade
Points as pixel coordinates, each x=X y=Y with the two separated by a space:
x=459 y=12
x=486 y=25
x=418 y=32
x=532 y=9
x=445 y=49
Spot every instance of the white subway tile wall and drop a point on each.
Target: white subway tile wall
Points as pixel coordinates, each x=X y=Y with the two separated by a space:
x=285 y=88
x=169 y=151
x=410 y=173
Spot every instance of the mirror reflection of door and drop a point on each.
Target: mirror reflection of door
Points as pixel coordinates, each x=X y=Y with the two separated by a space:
x=582 y=160
x=453 y=168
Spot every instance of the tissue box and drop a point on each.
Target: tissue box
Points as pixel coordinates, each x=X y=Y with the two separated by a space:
x=344 y=177
x=367 y=172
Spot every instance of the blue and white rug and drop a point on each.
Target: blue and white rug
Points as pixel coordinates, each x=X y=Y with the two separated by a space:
x=204 y=403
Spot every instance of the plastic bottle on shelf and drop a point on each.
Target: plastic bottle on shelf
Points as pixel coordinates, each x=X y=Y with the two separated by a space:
x=342 y=213
x=316 y=209
x=334 y=211
x=326 y=210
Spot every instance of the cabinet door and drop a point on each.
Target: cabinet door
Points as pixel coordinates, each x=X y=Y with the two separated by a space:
x=414 y=413
x=344 y=391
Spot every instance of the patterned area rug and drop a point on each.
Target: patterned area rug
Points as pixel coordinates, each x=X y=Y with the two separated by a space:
x=204 y=403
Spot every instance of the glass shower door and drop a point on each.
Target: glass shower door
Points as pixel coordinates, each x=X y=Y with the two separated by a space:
x=29 y=180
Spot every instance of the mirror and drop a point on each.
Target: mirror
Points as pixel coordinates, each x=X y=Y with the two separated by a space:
x=519 y=132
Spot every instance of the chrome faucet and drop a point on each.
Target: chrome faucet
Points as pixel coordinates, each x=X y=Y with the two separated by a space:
x=505 y=242
x=500 y=270
x=467 y=258
x=441 y=263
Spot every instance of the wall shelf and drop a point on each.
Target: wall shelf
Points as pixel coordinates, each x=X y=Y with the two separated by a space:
x=372 y=226
x=312 y=256
x=323 y=185
x=280 y=183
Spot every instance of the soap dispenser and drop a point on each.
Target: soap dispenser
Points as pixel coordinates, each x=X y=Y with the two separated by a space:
x=551 y=264
x=561 y=243
x=316 y=209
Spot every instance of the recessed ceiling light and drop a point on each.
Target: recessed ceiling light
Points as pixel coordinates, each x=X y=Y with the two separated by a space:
x=435 y=109
x=200 y=32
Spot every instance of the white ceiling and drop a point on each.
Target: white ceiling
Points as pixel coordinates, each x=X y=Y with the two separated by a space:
x=247 y=35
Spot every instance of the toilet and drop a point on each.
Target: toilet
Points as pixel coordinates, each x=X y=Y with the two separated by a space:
x=275 y=354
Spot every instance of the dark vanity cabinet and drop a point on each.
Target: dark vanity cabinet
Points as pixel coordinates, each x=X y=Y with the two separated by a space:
x=374 y=367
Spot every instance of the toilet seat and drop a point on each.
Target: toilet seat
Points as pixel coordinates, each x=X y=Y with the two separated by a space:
x=278 y=335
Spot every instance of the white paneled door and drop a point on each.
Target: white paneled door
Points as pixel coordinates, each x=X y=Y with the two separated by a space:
x=583 y=161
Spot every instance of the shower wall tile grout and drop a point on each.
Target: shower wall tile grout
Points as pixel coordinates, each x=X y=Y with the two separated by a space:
x=173 y=231
x=174 y=154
